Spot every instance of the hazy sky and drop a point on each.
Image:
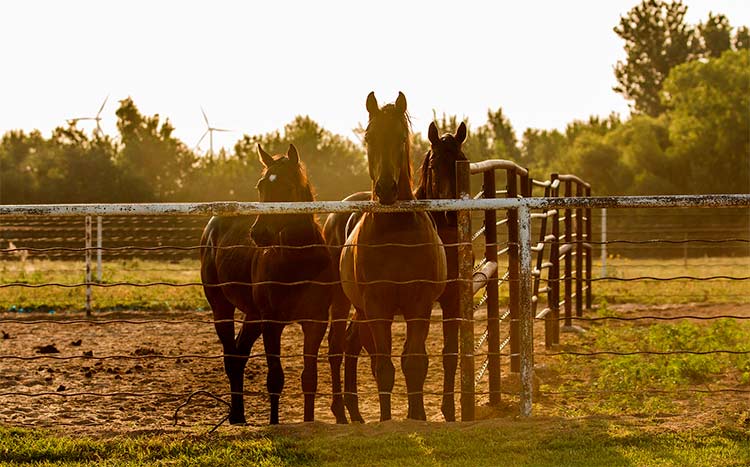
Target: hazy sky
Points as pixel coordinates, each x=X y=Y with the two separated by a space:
x=253 y=66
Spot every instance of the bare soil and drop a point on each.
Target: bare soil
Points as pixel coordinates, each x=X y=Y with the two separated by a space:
x=180 y=355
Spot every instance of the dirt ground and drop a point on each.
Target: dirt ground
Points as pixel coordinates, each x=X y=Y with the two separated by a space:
x=178 y=356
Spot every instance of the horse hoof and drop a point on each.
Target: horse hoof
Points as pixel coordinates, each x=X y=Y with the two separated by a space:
x=237 y=421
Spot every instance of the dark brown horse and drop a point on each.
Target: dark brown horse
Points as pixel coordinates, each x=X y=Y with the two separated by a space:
x=290 y=269
x=394 y=263
x=438 y=181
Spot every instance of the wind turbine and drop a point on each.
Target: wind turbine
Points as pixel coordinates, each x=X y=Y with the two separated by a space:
x=210 y=132
x=97 y=119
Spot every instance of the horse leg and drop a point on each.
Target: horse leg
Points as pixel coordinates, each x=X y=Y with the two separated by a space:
x=450 y=354
x=353 y=349
x=234 y=366
x=384 y=369
x=414 y=364
x=275 y=377
x=336 y=341
x=314 y=333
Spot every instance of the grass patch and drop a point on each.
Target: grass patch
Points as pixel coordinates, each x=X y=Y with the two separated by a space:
x=191 y=298
x=627 y=382
x=524 y=443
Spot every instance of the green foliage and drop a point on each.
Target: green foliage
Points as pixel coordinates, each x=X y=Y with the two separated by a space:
x=656 y=40
x=628 y=378
x=707 y=109
x=151 y=157
x=715 y=34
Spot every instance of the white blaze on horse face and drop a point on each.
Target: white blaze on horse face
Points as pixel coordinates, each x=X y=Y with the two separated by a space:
x=272 y=178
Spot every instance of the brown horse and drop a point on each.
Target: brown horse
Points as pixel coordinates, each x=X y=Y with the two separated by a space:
x=394 y=263
x=290 y=269
x=438 y=181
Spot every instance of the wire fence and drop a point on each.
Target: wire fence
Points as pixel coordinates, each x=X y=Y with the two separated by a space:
x=143 y=342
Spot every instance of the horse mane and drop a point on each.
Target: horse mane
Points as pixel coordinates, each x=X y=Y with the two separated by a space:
x=308 y=194
x=424 y=170
x=389 y=113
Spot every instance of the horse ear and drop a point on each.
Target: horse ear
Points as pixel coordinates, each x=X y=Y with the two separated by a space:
x=292 y=154
x=432 y=133
x=401 y=102
x=461 y=133
x=372 y=103
x=265 y=158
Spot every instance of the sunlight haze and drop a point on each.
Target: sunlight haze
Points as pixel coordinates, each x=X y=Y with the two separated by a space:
x=253 y=66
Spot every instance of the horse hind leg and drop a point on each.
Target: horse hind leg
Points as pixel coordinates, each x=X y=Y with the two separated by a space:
x=414 y=364
x=336 y=342
x=275 y=376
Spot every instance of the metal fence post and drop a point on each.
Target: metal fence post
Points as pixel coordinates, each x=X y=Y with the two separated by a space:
x=493 y=307
x=465 y=273
x=87 y=223
x=589 y=252
x=554 y=270
x=99 y=249
x=604 y=242
x=579 y=253
x=568 y=246
x=526 y=316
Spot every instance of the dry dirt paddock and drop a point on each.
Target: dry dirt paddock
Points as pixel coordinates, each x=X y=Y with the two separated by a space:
x=141 y=374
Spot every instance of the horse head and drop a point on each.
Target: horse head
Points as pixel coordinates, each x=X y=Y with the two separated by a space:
x=439 y=167
x=387 y=142
x=284 y=179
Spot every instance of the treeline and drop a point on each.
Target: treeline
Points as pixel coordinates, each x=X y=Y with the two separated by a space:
x=689 y=88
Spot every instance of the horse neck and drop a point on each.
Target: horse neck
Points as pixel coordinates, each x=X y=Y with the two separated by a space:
x=303 y=225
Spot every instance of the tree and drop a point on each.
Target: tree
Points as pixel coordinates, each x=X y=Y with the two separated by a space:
x=155 y=162
x=643 y=143
x=540 y=150
x=715 y=35
x=600 y=163
x=656 y=40
x=741 y=38
x=707 y=109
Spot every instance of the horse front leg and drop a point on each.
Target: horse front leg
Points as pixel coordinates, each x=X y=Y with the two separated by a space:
x=353 y=349
x=414 y=363
x=336 y=342
x=234 y=363
x=275 y=376
x=385 y=372
x=313 y=335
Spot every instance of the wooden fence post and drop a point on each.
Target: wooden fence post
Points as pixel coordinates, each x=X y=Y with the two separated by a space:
x=493 y=307
x=465 y=273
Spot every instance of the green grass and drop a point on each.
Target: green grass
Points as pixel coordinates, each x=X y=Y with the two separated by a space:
x=674 y=291
x=625 y=383
x=191 y=298
x=523 y=443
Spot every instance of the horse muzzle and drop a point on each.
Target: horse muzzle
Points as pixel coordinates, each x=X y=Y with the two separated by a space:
x=386 y=191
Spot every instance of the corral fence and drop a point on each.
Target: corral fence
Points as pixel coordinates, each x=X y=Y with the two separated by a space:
x=557 y=208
